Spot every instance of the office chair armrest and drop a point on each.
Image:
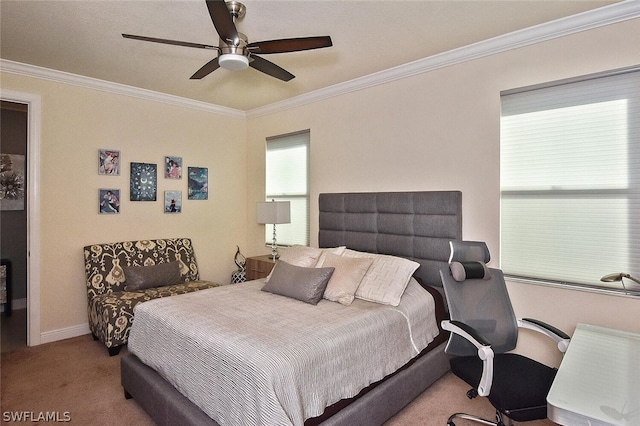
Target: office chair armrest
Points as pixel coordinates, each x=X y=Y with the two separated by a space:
x=560 y=337
x=485 y=353
x=465 y=331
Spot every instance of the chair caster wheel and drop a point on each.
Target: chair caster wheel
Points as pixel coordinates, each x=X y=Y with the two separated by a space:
x=472 y=393
x=451 y=424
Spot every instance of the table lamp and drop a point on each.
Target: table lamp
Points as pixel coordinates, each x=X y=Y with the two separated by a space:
x=619 y=277
x=273 y=212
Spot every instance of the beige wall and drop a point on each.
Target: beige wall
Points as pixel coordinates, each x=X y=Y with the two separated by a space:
x=441 y=130
x=76 y=122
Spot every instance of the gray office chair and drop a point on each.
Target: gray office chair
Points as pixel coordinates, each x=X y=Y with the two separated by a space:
x=483 y=330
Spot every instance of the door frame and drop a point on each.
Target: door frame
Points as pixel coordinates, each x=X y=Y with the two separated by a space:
x=34 y=121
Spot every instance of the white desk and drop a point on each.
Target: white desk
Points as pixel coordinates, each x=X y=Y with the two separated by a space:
x=598 y=382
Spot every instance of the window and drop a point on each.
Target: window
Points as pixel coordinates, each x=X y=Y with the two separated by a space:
x=287 y=179
x=570 y=180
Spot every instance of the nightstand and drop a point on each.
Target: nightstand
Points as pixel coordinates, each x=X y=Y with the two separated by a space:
x=259 y=266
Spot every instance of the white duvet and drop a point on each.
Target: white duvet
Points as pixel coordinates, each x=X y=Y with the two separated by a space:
x=247 y=357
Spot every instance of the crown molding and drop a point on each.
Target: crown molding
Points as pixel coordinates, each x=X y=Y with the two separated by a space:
x=607 y=15
x=117 y=88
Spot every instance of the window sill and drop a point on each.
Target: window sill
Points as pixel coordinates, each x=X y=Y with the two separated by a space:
x=632 y=293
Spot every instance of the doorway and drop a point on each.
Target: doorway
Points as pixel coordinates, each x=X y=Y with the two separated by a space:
x=30 y=304
x=13 y=223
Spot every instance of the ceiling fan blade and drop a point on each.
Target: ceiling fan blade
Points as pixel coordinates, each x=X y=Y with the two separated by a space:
x=206 y=69
x=290 y=44
x=174 y=42
x=222 y=21
x=270 y=68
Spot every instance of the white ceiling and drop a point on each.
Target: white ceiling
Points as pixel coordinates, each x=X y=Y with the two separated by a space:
x=84 y=37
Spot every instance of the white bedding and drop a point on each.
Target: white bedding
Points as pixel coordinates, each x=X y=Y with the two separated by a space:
x=247 y=357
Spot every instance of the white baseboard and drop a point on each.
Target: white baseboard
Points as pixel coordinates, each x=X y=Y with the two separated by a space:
x=16 y=304
x=64 y=333
x=54 y=335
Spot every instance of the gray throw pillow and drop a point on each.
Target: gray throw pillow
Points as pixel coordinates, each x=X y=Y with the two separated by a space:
x=297 y=282
x=142 y=277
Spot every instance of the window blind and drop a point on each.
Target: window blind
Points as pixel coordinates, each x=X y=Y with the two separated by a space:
x=570 y=180
x=287 y=179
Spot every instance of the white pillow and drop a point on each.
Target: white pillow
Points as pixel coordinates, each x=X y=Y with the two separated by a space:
x=334 y=250
x=304 y=256
x=297 y=255
x=347 y=275
x=386 y=279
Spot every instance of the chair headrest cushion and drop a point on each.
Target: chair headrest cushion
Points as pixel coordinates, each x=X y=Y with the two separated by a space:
x=469 y=270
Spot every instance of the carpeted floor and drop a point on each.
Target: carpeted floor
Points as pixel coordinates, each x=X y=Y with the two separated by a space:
x=13 y=330
x=76 y=379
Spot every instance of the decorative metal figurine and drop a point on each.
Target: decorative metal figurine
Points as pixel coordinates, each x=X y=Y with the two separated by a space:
x=240 y=275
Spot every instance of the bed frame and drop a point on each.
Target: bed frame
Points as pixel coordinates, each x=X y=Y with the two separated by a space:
x=414 y=225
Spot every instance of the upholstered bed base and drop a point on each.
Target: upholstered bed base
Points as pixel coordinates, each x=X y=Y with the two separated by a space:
x=415 y=225
x=167 y=406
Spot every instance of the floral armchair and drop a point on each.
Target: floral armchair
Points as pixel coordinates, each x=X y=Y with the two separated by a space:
x=150 y=265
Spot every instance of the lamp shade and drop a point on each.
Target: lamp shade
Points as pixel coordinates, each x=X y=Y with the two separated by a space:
x=273 y=212
x=618 y=277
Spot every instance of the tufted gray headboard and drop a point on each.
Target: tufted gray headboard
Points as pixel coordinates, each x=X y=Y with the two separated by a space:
x=414 y=225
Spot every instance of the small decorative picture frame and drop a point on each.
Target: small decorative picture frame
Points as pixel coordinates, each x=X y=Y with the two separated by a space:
x=198 y=183
x=173 y=167
x=143 y=182
x=109 y=201
x=172 y=201
x=109 y=162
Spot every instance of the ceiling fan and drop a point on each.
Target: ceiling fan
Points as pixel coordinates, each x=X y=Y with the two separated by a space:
x=234 y=50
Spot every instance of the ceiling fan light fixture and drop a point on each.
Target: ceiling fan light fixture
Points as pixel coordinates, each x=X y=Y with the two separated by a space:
x=233 y=61
x=234 y=48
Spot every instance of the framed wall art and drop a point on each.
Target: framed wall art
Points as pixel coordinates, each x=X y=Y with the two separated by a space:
x=198 y=183
x=172 y=201
x=109 y=162
x=173 y=167
x=143 y=182
x=12 y=181
x=109 y=201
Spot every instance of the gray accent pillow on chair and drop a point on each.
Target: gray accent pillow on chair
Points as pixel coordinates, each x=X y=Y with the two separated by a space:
x=143 y=277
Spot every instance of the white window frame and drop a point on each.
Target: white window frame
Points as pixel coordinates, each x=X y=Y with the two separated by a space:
x=296 y=232
x=596 y=209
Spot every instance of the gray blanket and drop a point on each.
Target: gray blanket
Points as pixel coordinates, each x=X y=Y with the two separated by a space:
x=248 y=357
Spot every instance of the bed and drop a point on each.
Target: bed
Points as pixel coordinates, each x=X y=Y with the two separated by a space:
x=410 y=225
